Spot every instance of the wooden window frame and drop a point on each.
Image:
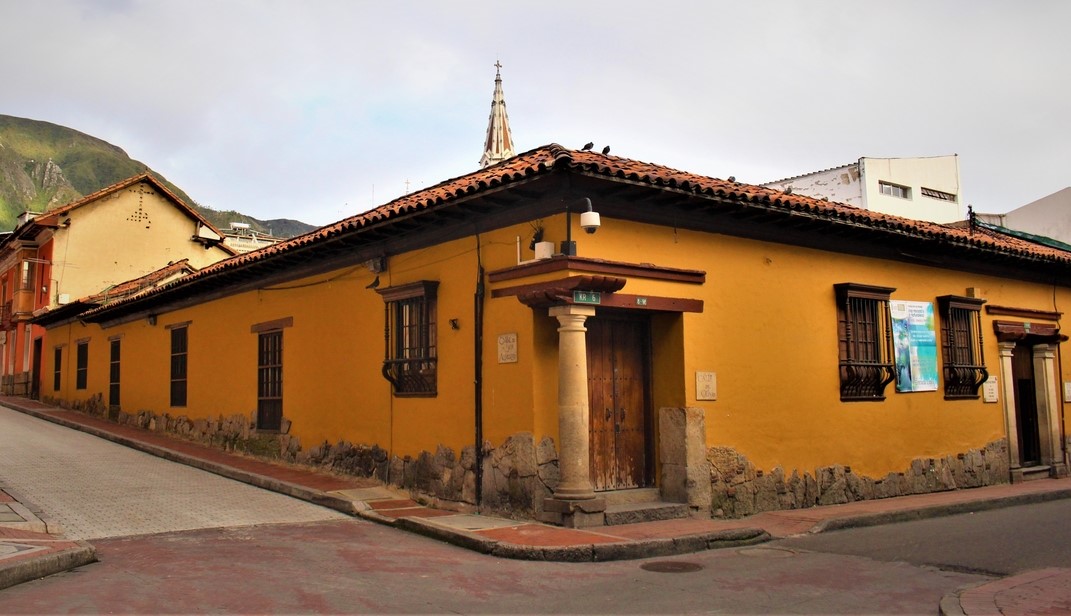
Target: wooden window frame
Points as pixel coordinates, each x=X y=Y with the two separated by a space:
x=57 y=368
x=81 y=371
x=114 y=355
x=179 y=365
x=961 y=346
x=270 y=380
x=864 y=333
x=410 y=361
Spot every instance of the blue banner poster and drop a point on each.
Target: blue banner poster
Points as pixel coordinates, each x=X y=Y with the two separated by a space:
x=915 y=345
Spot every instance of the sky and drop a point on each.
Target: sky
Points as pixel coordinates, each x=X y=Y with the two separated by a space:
x=320 y=109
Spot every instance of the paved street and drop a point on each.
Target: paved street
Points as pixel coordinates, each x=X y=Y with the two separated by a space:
x=175 y=540
x=998 y=542
x=351 y=567
x=97 y=489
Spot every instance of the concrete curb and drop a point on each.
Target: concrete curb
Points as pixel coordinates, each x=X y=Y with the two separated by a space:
x=37 y=567
x=936 y=511
x=950 y=605
x=36 y=520
x=588 y=552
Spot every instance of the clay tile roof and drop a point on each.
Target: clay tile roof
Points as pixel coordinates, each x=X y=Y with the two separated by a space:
x=137 y=285
x=722 y=194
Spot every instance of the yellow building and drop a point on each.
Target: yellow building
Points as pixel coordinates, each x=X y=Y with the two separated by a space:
x=89 y=246
x=727 y=347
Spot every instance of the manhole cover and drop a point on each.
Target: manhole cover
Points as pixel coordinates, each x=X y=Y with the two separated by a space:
x=767 y=552
x=671 y=566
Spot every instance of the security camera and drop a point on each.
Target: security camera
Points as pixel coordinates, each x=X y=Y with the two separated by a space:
x=589 y=222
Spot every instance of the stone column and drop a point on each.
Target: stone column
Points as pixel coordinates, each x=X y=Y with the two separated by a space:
x=1007 y=383
x=1048 y=402
x=682 y=450
x=574 y=502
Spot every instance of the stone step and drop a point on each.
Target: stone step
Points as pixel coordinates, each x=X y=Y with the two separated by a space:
x=633 y=496
x=1036 y=472
x=634 y=513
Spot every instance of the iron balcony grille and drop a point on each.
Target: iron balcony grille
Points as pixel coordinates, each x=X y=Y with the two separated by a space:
x=411 y=376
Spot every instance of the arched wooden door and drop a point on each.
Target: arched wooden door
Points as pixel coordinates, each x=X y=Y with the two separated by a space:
x=619 y=398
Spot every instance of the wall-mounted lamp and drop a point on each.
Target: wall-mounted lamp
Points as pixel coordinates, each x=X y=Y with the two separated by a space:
x=589 y=222
x=152 y=319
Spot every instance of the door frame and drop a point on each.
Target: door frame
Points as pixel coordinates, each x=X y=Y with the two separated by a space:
x=643 y=318
x=1047 y=403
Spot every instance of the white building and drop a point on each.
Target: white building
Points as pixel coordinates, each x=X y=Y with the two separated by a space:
x=1049 y=216
x=243 y=238
x=925 y=188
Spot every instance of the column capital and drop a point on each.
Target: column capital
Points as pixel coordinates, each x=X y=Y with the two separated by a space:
x=1047 y=351
x=572 y=310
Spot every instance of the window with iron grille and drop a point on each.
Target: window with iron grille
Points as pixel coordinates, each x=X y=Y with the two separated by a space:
x=961 y=346
x=179 y=366
x=864 y=331
x=57 y=366
x=113 y=374
x=270 y=380
x=81 y=373
x=410 y=359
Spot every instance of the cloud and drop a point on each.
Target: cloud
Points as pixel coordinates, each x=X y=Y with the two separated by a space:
x=286 y=109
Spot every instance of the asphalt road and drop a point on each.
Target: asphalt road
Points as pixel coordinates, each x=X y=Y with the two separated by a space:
x=999 y=542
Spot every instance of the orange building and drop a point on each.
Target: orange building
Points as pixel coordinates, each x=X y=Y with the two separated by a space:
x=116 y=234
x=565 y=328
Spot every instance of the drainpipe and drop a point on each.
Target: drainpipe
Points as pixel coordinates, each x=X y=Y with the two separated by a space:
x=478 y=370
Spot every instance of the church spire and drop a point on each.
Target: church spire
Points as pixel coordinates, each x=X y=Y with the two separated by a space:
x=499 y=143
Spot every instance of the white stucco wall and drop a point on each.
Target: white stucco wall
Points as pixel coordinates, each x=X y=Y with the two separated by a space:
x=1049 y=216
x=841 y=185
x=935 y=172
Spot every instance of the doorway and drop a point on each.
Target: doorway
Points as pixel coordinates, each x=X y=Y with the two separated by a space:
x=35 y=376
x=619 y=374
x=1026 y=408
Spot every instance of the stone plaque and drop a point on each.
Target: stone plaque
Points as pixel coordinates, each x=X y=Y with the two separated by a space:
x=706 y=386
x=507 y=348
x=989 y=389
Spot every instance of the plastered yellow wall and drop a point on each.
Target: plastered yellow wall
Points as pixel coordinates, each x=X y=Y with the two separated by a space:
x=768 y=330
x=333 y=388
x=120 y=237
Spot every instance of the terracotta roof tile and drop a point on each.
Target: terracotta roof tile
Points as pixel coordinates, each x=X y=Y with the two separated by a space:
x=137 y=285
x=727 y=193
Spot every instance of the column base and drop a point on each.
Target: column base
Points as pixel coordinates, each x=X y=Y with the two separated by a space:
x=574 y=513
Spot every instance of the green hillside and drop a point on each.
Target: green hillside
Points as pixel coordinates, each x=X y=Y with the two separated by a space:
x=43 y=166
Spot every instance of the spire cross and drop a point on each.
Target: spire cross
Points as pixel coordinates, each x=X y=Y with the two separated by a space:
x=498 y=66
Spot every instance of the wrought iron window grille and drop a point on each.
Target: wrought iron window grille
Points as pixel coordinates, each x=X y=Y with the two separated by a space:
x=864 y=329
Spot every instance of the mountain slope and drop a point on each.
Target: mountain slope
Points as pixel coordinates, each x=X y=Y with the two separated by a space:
x=44 y=165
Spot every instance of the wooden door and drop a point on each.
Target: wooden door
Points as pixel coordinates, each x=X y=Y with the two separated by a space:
x=618 y=377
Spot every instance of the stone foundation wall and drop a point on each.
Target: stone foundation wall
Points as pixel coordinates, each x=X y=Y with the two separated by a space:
x=739 y=489
x=517 y=475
